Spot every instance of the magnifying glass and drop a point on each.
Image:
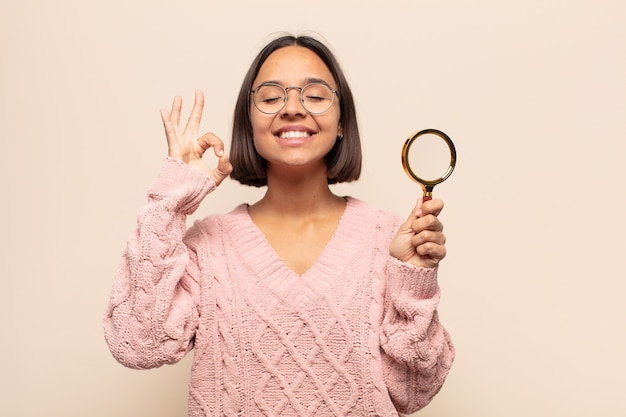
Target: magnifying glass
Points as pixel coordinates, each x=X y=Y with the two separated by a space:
x=431 y=153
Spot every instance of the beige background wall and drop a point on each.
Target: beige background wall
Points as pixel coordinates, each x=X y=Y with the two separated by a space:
x=532 y=92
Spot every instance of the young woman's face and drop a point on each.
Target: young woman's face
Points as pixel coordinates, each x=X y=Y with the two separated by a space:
x=293 y=137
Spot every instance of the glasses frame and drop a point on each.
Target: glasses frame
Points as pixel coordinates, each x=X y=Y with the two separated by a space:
x=294 y=87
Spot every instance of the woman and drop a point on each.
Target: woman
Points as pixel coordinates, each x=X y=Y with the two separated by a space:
x=304 y=303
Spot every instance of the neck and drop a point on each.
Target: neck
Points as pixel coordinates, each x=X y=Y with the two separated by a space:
x=298 y=195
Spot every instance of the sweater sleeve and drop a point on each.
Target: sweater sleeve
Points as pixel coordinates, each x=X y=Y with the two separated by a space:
x=152 y=313
x=417 y=350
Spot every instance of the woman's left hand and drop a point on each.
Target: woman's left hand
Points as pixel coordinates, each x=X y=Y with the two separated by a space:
x=420 y=239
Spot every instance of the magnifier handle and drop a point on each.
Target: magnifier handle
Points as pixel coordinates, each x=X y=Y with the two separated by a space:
x=428 y=193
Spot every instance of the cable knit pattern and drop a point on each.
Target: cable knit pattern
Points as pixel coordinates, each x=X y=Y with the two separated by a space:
x=356 y=335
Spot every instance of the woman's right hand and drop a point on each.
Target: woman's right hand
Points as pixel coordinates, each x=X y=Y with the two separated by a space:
x=187 y=146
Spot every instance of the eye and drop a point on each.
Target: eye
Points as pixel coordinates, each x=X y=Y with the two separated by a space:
x=315 y=99
x=269 y=96
x=317 y=93
x=271 y=100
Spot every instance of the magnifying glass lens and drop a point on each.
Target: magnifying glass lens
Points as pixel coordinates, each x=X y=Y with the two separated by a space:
x=429 y=157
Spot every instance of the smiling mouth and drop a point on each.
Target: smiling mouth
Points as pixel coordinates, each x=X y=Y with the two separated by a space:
x=294 y=135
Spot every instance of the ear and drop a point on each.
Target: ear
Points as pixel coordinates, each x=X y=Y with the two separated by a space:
x=340 y=132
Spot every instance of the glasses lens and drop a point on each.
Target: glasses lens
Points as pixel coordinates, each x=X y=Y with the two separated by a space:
x=269 y=98
x=317 y=98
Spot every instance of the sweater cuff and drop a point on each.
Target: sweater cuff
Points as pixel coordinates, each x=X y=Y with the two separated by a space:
x=404 y=277
x=181 y=186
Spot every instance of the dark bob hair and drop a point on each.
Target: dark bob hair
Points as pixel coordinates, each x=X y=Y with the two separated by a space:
x=343 y=161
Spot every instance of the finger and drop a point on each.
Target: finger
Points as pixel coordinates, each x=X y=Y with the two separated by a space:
x=170 y=131
x=210 y=140
x=433 y=207
x=177 y=105
x=223 y=170
x=428 y=236
x=193 y=124
x=428 y=222
x=433 y=252
x=414 y=215
x=165 y=117
x=218 y=148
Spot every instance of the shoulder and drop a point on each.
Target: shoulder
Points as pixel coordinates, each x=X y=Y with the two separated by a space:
x=380 y=218
x=217 y=224
x=360 y=207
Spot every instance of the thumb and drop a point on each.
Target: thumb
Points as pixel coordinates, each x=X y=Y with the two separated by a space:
x=415 y=213
x=223 y=169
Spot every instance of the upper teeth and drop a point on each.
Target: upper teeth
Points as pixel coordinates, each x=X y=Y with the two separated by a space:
x=294 y=134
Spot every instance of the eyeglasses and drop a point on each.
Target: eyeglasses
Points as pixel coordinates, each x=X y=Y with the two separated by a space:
x=316 y=98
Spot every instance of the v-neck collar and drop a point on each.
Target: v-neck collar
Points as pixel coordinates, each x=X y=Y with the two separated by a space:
x=269 y=269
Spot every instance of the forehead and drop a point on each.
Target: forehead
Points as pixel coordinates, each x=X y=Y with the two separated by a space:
x=293 y=65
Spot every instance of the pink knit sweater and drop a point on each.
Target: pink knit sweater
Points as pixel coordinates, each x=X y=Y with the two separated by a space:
x=356 y=335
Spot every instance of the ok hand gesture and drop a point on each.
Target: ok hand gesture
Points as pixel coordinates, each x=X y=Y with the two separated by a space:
x=187 y=146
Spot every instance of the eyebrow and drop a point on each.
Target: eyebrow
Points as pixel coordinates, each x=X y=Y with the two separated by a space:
x=310 y=80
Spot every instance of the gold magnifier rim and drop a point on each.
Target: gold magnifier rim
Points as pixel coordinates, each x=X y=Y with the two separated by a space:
x=407 y=166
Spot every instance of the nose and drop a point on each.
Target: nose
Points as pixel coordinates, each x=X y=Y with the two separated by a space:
x=293 y=105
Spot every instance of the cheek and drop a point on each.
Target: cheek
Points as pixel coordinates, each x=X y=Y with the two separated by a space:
x=259 y=137
x=336 y=124
x=260 y=124
x=337 y=120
